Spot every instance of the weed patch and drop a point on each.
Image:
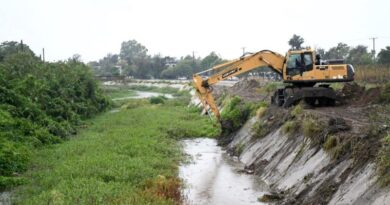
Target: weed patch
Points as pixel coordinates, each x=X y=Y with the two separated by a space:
x=385 y=94
x=126 y=157
x=383 y=162
x=290 y=127
x=297 y=111
x=235 y=114
x=312 y=128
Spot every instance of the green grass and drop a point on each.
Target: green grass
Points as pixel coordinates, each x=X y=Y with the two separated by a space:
x=126 y=157
x=121 y=93
x=165 y=90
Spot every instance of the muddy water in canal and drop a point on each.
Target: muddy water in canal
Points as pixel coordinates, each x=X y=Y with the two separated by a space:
x=211 y=176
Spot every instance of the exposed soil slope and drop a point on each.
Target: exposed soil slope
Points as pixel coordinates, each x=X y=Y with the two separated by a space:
x=315 y=155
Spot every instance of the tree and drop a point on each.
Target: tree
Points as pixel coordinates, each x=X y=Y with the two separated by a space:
x=384 y=56
x=108 y=66
x=320 y=51
x=76 y=58
x=131 y=51
x=359 y=55
x=341 y=51
x=185 y=67
x=158 y=64
x=209 y=61
x=296 y=42
x=11 y=47
x=135 y=58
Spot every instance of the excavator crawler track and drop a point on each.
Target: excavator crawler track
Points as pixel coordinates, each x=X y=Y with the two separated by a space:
x=315 y=96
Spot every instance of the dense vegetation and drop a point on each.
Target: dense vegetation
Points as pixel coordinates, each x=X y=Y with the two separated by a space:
x=40 y=103
x=130 y=156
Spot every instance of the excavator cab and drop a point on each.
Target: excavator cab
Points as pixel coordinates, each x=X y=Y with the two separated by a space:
x=304 y=67
x=298 y=63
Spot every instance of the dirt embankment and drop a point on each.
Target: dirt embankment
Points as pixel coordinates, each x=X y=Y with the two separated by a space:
x=315 y=155
x=248 y=90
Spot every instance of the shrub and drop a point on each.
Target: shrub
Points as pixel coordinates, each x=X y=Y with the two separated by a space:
x=383 y=162
x=290 y=127
x=259 y=130
x=235 y=113
x=385 y=94
x=157 y=100
x=297 y=110
x=311 y=129
x=330 y=142
x=260 y=112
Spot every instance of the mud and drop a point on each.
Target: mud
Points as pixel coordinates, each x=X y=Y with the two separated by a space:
x=211 y=176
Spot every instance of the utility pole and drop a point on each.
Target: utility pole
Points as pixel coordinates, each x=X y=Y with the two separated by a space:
x=21 y=45
x=373 y=46
x=43 y=54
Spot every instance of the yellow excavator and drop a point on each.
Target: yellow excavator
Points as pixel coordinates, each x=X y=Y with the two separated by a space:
x=301 y=69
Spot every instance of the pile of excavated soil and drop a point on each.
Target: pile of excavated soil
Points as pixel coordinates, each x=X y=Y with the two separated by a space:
x=248 y=90
x=355 y=95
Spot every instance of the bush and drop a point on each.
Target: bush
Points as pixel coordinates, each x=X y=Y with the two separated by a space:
x=157 y=100
x=235 y=113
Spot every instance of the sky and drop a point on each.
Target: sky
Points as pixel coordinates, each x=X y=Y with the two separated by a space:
x=94 y=28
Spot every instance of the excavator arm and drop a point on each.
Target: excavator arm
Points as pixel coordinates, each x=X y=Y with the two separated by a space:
x=232 y=68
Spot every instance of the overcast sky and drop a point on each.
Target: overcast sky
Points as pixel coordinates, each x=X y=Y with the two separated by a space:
x=93 y=28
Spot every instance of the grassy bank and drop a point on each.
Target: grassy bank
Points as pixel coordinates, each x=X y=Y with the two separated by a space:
x=125 y=157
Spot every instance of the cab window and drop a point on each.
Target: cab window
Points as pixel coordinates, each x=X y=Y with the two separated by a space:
x=299 y=63
x=293 y=63
x=307 y=57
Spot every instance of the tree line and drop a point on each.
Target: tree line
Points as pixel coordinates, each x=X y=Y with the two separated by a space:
x=134 y=60
x=356 y=55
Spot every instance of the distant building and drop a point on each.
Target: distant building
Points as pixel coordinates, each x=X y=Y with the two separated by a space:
x=170 y=62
